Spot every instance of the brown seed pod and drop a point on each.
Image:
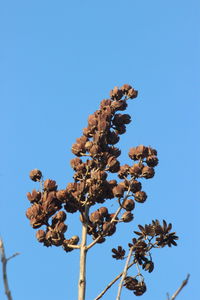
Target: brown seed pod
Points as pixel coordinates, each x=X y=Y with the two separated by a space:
x=50 y=185
x=132 y=93
x=112 y=138
x=109 y=228
x=103 y=211
x=140 y=288
x=135 y=186
x=152 y=151
x=59 y=217
x=62 y=195
x=140 y=196
x=148 y=266
x=152 y=161
x=123 y=171
x=113 y=164
x=136 y=170
x=138 y=152
x=125 y=88
x=96 y=217
x=120 y=129
x=75 y=162
x=41 y=236
x=129 y=204
x=105 y=103
x=35 y=175
x=119 y=105
x=34 y=196
x=60 y=227
x=148 y=172
x=130 y=283
x=116 y=93
x=74 y=240
x=127 y=217
x=77 y=149
x=118 y=191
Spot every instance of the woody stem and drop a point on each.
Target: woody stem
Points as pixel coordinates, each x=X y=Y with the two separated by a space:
x=124 y=274
x=83 y=253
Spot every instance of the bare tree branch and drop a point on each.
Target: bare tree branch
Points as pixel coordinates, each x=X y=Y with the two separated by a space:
x=180 y=288
x=83 y=253
x=4 y=261
x=112 y=282
x=124 y=273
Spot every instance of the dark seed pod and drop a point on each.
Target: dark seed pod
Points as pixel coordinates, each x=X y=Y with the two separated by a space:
x=96 y=217
x=35 y=175
x=50 y=185
x=59 y=217
x=116 y=93
x=125 y=88
x=127 y=217
x=130 y=283
x=135 y=186
x=34 y=196
x=148 y=172
x=136 y=170
x=109 y=228
x=118 y=191
x=41 y=236
x=132 y=93
x=148 y=266
x=152 y=161
x=140 y=196
x=103 y=211
x=129 y=204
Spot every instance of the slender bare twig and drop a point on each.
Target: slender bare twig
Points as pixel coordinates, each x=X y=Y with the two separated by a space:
x=112 y=282
x=124 y=273
x=4 y=261
x=180 y=288
x=83 y=253
x=12 y=256
x=74 y=246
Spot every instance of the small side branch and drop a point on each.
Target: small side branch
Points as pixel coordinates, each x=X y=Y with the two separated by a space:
x=112 y=282
x=4 y=261
x=180 y=288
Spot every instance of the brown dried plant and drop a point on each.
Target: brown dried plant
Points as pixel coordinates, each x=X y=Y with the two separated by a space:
x=97 y=157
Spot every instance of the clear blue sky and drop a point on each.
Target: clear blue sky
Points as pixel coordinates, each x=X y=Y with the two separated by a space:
x=58 y=60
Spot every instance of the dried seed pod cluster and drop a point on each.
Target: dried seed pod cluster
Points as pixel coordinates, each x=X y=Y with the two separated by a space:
x=96 y=156
x=154 y=235
x=96 y=159
x=138 y=287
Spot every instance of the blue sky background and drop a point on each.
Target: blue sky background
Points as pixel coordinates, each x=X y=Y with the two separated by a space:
x=58 y=60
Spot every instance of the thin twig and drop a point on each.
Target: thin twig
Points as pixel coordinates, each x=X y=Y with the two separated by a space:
x=112 y=282
x=74 y=246
x=180 y=288
x=124 y=274
x=4 y=261
x=12 y=256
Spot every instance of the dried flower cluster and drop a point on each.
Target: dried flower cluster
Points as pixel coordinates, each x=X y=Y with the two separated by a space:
x=151 y=236
x=97 y=157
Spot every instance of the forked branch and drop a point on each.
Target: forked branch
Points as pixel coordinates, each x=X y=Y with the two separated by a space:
x=4 y=261
x=180 y=288
x=112 y=282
